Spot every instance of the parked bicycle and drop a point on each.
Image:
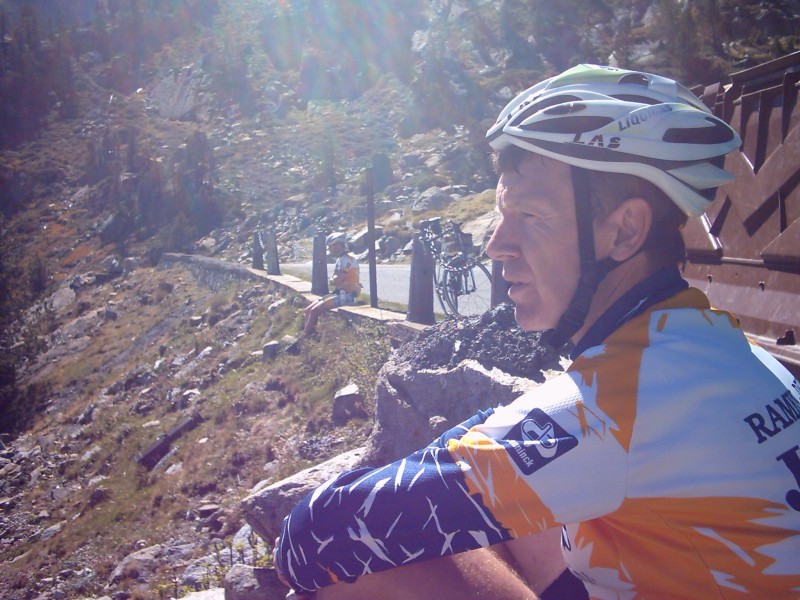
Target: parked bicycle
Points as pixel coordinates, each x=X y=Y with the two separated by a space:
x=462 y=282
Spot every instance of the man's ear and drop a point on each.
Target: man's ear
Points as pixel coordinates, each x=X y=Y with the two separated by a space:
x=628 y=226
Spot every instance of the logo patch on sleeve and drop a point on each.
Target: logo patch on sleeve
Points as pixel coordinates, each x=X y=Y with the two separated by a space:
x=537 y=440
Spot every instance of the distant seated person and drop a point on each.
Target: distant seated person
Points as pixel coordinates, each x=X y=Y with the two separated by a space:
x=345 y=282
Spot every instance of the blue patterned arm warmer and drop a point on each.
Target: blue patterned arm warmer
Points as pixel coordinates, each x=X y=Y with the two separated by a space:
x=366 y=521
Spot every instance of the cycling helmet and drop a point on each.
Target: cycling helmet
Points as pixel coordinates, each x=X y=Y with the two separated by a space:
x=619 y=121
x=336 y=237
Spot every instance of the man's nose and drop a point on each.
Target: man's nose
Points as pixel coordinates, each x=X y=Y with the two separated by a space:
x=501 y=245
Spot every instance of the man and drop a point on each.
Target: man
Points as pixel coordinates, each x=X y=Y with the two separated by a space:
x=345 y=282
x=663 y=461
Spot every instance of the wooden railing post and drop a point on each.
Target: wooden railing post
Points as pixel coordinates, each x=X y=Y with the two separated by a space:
x=319 y=266
x=271 y=250
x=420 y=291
x=258 y=251
x=373 y=268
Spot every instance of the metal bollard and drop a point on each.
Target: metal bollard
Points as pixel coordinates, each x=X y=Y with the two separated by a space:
x=420 y=291
x=319 y=266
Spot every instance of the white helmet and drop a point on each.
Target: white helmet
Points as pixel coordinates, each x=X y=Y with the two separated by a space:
x=337 y=237
x=619 y=121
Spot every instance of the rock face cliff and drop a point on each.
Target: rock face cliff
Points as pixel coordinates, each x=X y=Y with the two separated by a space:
x=428 y=386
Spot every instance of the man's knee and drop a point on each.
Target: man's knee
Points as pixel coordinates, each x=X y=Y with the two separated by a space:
x=316 y=308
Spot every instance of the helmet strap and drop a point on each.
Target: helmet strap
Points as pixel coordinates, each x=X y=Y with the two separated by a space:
x=592 y=271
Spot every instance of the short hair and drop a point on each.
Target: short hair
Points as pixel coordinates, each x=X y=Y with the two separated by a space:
x=664 y=244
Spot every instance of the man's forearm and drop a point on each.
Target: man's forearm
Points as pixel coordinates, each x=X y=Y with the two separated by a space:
x=371 y=520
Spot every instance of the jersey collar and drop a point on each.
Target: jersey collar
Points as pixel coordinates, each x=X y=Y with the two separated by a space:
x=659 y=286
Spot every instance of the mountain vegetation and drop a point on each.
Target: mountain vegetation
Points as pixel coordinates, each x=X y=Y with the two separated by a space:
x=134 y=128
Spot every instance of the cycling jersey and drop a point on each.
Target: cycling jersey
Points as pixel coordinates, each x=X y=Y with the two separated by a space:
x=348 y=265
x=667 y=452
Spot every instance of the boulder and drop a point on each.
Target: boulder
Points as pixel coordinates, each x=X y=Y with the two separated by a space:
x=432 y=199
x=138 y=563
x=348 y=403
x=243 y=582
x=62 y=299
x=175 y=96
x=359 y=242
x=265 y=508
x=413 y=407
x=270 y=350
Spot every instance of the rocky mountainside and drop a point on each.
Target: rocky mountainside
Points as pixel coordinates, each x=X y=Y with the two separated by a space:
x=153 y=411
x=133 y=129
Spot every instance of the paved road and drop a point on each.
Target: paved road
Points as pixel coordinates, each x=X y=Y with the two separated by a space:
x=392 y=283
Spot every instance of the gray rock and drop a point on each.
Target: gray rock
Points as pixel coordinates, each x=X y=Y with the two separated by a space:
x=111 y=266
x=348 y=404
x=207 y=510
x=276 y=305
x=199 y=573
x=10 y=471
x=413 y=407
x=251 y=583
x=388 y=245
x=431 y=199
x=138 y=563
x=248 y=546
x=360 y=241
x=51 y=531
x=62 y=298
x=131 y=263
x=270 y=350
x=175 y=96
x=266 y=507
x=87 y=415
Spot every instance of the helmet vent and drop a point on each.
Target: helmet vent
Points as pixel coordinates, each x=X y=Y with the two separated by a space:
x=718 y=134
x=528 y=108
x=635 y=79
x=565 y=108
x=576 y=124
x=635 y=98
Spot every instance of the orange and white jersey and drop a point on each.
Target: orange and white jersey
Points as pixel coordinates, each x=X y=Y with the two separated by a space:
x=347 y=266
x=669 y=453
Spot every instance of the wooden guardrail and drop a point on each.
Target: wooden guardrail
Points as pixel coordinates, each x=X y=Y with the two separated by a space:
x=745 y=252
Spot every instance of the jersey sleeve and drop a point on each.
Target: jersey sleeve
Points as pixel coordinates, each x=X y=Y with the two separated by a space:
x=367 y=520
x=491 y=479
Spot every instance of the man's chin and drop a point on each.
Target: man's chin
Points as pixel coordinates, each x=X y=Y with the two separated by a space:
x=530 y=322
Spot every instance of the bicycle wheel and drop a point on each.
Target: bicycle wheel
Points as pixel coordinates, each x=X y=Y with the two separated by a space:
x=439 y=282
x=469 y=289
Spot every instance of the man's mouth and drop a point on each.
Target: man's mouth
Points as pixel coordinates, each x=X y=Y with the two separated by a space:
x=516 y=287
